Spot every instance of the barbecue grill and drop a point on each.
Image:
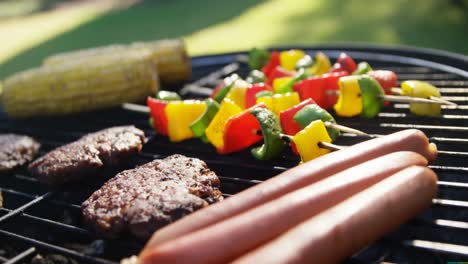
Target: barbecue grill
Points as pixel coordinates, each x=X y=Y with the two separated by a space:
x=38 y=220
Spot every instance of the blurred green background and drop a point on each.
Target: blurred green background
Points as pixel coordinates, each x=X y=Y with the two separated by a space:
x=33 y=29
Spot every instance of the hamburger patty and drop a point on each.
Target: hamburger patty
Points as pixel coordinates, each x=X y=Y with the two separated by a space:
x=144 y=199
x=16 y=150
x=87 y=156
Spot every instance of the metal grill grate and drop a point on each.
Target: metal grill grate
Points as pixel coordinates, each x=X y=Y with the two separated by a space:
x=37 y=219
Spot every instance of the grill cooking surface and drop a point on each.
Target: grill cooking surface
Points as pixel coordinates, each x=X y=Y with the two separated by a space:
x=37 y=219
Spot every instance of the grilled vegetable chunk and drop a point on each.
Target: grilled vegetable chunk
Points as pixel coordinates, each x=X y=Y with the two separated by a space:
x=169 y=55
x=16 y=150
x=144 y=199
x=77 y=86
x=84 y=159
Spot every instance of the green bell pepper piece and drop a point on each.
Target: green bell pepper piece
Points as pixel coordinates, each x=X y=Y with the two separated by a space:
x=228 y=84
x=258 y=58
x=288 y=87
x=263 y=94
x=306 y=62
x=371 y=94
x=256 y=76
x=151 y=122
x=271 y=129
x=362 y=68
x=167 y=96
x=199 y=126
x=312 y=112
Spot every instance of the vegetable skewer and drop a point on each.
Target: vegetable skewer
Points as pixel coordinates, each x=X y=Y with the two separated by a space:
x=274 y=139
x=321 y=85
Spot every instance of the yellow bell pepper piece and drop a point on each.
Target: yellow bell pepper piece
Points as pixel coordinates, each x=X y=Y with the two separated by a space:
x=422 y=90
x=237 y=93
x=289 y=58
x=180 y=114
x=214 y=131
x=308 y=138
x=322 y=64
x=279 y=82
x=349 y=101
x=280 y=102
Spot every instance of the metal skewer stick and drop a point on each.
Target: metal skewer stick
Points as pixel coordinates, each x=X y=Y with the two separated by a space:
x=408 y=99
x=289 y=139
x=346 y=129
x=442 y=100
x=399 y=91
x=136 y=108
x=404 y=99
x=330 y=146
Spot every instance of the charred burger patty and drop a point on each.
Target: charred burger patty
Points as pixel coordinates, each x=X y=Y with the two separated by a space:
x=141 y=200
x=85 y=157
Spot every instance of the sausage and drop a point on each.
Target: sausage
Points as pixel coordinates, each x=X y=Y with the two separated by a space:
x=257 y=226
x=344 y=229
x=297 y=177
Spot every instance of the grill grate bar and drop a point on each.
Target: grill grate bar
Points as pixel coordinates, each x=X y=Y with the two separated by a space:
x=21 y=256
x=438 y=247
x=448 y=168
x=55 y=248
x=239 y=180
x=452 y=153
x=424 y=76
x=53 y=223
x=445 y=202
x=451 y=107
x=426 y=127
x=26 y=195
x=450 y=223
x=449 y=140
x=455 y=98
x=20 y=209
x=453 y=90
x=453 y=184
x=405 y=115
x=210 y=78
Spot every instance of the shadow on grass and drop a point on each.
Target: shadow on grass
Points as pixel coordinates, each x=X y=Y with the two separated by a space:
x=426 y=23
x=149 y=20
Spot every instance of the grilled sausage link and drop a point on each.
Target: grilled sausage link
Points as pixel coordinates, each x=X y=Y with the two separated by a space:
x=344 y=229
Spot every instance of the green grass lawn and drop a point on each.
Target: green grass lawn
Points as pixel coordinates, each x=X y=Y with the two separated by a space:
x=211 y=26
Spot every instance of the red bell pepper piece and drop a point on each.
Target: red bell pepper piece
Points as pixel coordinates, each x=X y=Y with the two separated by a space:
x=240 y=131
x=251 y=92
x=320 y=88
x=344 y=63
x=159 y=116
x=288 y=124
x=313 y=88
x=278 y=72
x=331 y=84
x=272 y=63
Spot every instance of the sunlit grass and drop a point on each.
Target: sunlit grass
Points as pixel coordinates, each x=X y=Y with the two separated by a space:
x=212 y=26
x=25 y=33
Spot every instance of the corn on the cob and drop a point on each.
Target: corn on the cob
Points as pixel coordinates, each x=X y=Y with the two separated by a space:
x=85 y=85
x=169 y=55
